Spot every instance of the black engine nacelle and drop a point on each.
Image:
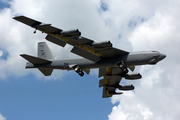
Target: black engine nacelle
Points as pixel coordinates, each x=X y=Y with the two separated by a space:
x=70 y=33
x=132 y=76
x=126 y=87
x=103 y=44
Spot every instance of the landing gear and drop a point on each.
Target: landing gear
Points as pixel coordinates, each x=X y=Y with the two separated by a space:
x=79 y=71
x=123 y=68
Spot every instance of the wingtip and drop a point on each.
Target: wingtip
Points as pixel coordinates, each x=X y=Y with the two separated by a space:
x=17 y=17
x=22 y=55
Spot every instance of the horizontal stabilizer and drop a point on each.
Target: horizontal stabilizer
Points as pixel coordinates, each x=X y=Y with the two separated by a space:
x=35 y=60
x=46 y=71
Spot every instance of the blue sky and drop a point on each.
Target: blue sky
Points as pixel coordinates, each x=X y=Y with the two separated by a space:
x=73 y=98
x=30 y=98
x=3 y=4
x=131 y=25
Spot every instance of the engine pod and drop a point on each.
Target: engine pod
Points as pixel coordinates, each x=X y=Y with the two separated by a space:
x=104 y=44
x=71 y=33
x=132 y=76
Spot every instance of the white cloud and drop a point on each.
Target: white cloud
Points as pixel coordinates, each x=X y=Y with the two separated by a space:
x=17 y=38
x=130 y=25
x=2 y=117
x=1 y=53
x=156 y=94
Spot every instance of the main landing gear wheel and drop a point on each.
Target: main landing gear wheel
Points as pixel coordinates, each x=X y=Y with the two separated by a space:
x=79 y=71
x=123 y=68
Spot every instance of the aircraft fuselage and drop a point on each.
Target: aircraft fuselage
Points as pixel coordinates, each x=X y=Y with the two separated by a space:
x=136 y=58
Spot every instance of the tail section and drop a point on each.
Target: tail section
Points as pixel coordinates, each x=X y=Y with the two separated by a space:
x=46 y=71
x=44 y=51
x=44 y=57
x=35 y=60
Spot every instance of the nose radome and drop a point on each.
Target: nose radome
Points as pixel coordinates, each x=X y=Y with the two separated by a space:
x=163 y=56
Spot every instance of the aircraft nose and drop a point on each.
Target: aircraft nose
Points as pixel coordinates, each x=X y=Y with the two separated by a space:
x=162 y=56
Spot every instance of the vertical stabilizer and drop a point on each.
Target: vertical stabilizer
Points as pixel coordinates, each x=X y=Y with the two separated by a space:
x=44 y=52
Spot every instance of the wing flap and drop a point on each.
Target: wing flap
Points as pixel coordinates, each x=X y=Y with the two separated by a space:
x=109 y=92
x=102 y=72
x=113 y=52
x=55 y=40
x=103 y=82
x=111 y=80
x=109 y=71
x=82 y=46
x=86 y=54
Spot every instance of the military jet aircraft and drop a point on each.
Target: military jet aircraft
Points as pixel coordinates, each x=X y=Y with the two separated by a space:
x=113 y=63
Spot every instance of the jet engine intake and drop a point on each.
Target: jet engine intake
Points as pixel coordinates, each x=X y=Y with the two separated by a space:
x=132 y=76
x=103 y=44
x=126 y=87
x=71 y=33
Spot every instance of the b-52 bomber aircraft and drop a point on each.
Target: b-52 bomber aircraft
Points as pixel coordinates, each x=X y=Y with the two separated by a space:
x=113 y=63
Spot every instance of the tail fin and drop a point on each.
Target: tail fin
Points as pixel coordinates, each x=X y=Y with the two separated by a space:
x=44 y=52
x=38 y=61
x=44 y=57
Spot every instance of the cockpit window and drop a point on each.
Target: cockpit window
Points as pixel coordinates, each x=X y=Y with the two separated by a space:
x=155 y=51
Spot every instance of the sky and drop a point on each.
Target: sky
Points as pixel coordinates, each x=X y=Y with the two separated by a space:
x=131 y=25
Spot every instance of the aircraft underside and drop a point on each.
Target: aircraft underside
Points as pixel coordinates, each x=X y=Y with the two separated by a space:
x=114 y=64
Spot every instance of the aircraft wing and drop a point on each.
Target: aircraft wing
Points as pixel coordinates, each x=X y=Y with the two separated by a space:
x=37 y=25
x=110 y=81
x=84 y=47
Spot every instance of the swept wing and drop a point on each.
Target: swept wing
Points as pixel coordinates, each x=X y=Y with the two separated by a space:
x=84 y=47
x=110 y=81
